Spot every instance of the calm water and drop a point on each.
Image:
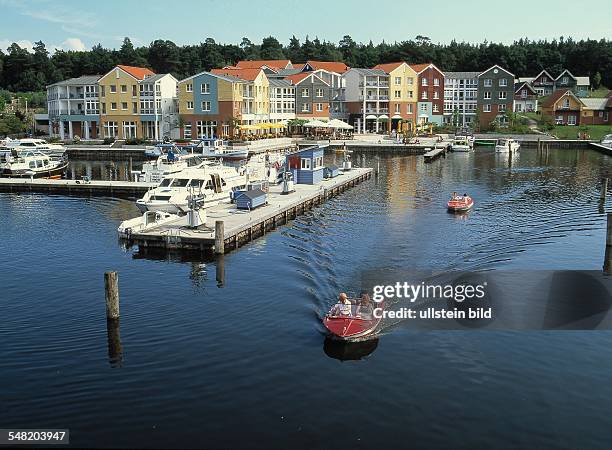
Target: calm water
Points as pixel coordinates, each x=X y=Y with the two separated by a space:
x=245 y=363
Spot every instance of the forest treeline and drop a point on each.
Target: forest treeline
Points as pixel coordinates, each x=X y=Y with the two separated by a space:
x=22 y=70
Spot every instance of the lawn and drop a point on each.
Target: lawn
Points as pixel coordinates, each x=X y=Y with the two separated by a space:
x=596 y=132
x=601 y=92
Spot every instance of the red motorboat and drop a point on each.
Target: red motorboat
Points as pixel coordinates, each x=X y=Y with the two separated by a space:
x=353 y=321
x=460 y=203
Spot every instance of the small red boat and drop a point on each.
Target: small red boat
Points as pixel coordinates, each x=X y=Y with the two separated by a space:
x=460 y=203
x=353 y=321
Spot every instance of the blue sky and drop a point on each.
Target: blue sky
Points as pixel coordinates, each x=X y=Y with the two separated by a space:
x=78 y=25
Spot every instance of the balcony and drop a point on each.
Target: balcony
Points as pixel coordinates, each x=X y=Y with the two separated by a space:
x=376 y=111
x=374 y=84
x=147 y=93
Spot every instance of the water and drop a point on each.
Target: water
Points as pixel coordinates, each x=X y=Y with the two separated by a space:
x=244 y=362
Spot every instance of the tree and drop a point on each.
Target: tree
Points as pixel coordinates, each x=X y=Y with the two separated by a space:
x=164 y=57
x=10 y=124
x=596 y=80
x=271 y=49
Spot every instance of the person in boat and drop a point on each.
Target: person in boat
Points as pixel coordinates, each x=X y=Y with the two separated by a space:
x=343 y=307
x=365 y=307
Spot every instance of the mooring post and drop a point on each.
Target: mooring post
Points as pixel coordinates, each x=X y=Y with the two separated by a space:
x=539 y=144
x=129 y=174
x=377 y=164
x=608 y=254
x=111 y=290
x=220 y=271
x=115 y=349
x=604 y=189
x=219 y=237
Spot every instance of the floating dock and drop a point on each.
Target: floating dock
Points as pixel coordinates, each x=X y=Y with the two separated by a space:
x=240 y=227
x=121 y=189
x=435 y=153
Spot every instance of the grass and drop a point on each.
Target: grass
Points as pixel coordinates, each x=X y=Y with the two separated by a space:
x=601 y=92
x=596 y=132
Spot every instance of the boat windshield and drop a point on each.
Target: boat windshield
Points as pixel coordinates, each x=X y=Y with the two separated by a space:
x=165 y=182
x=353 y=310
x=180 y=182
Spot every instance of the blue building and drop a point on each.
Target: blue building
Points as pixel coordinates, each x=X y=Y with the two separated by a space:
x=306 y=165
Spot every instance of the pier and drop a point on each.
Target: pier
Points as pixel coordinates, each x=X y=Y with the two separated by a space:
x=240 y=227
x=121 y=189
x=435 y=153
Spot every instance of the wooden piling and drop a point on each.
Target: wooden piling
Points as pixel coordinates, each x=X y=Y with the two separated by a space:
x=219 y=237
x=111 y=290
x=220 y=271
x=129 y=174
x=608 y=255
x=115 y=349
x=604 y=189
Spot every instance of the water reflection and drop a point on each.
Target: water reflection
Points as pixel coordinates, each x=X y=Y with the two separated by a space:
x=115 y=349
x=349 y=351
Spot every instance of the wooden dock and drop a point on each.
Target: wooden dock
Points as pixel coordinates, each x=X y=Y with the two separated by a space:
x=241 y=227
x=122 y=189
x=435 y=153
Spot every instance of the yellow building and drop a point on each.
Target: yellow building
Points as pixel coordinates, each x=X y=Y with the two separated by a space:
x=120 y=102
x=402 y=95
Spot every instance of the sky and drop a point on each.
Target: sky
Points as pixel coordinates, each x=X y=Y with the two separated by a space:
x=78 y=25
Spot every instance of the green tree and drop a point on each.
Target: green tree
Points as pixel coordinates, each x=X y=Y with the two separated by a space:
x=596 y=80
x=271 y=49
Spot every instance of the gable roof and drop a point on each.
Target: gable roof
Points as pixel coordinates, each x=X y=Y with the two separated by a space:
x=498 y=67
x=330 y=66
x=140 y=73
x=219 y=76
x=562 y=73
x=275 y=64
x=543 y=72
x=595 y=103
x=418 y=68
x=299 y=77
x=242 y=73
x=368 y=72
x=557 y=95
x=389 y=67
x=82 y=80
x=522 y=85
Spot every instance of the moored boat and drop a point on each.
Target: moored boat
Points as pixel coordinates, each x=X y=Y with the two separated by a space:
x=506 y=145
x=460 y=203
x=29 y=163
x=461 y=144
x=354 y=319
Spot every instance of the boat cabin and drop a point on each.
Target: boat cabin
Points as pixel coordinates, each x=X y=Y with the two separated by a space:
x=306 y=165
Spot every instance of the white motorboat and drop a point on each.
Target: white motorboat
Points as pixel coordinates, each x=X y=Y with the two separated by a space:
x=506 y=145
x=29 y=163
x=210 y=183
x=216 y=148
x=54 y=150
x=607 y=140
x=461 y=144
x=171 y=159
x=148 y=221
x=268 y=167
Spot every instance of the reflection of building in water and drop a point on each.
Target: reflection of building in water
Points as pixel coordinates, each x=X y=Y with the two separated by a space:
x=402 y=183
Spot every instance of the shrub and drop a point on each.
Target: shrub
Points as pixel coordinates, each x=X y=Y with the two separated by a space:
x=108 y=141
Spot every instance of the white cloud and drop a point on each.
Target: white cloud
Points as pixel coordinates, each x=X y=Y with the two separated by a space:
x=74 y=44
x=69 y=44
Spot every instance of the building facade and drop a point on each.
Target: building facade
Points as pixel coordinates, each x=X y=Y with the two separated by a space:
x=282 y=100
x=564 y=107
x=495 y=96
x=525 y=98
x=367 y=99
x=312 y=95
x=460 y=98
x=402 y=95
x=74 y=108
x=210 y=105
x=430 y=93
x=545 y=84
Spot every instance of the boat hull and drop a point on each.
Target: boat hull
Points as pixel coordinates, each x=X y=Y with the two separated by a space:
x=352 y=328
x=458 y=207
x=27 y=173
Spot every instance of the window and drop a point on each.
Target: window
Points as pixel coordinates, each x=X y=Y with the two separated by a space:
x=135 y=107
x=410 y=81
x=566 y=103
x=113 y=88
x=423 y=108
x=319 y=92
x=110 y=129
x=565 y=80
x=486 y=108
x=124 y=106
x=524 y=93
x=571 y=120
x=487 y=95
x=436 y=82
x=189 y=87
x=488 y=82
x=398 y=80
x=205 y=106
x=397 y=108
x=123 y=88
x=305 y=164
x=189 y=105
x=424 y=95
x=318 y=162
x=103 y=108
x=501 y=107
x=436 y=95
x=398 y=94
x=205 y=89
x=503 y=82
x=103 y=91
x=410 y=94
x=113 y=106
x=206 y=128
x=319 y=107
x=306 y=107
x=305 y=92
x=187 y=131
x=423 y=81
x=410 y=108
x=503 y=95
x=436 y=108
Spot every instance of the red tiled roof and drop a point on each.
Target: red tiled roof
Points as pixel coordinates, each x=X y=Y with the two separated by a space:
x=388 y=67
x=244 y=73
x=419 y=67
x=330 y=66
x=554 y=97
x=276 y=64
x=137 y=72
x=295 y=79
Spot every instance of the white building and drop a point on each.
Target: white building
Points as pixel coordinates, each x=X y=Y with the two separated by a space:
x=158 y=106
x=282 y=100
x=366 y=94
x=460 y=98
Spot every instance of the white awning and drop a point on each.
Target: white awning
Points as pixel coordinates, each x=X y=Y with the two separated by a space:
x=424 y=116
x=384 y=116
x=371 y=116
x=396 y=116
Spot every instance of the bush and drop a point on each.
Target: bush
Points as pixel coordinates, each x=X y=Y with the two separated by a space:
x=135 y=141
x=108 y=141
